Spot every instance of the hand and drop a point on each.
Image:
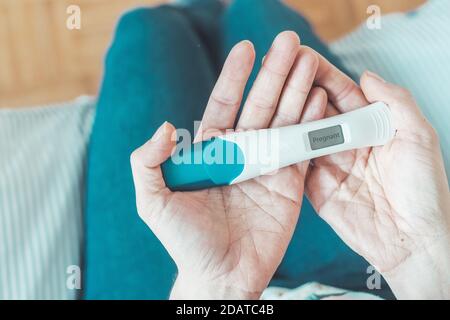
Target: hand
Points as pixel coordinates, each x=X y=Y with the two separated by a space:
x=390 y=204
x=227 y=242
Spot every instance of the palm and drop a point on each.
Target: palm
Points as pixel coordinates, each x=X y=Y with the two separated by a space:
x=229 y=233
x=370 y=202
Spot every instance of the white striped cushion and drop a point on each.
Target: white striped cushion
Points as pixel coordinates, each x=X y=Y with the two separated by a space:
x=42 y=164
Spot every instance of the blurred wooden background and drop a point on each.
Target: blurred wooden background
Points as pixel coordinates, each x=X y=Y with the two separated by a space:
x=41 y=61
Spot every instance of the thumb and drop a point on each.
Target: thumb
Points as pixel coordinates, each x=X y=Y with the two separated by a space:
x=406 y=113
x=146 y=161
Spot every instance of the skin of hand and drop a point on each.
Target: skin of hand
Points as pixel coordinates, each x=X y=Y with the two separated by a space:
x=390 y=204
x=227 y=242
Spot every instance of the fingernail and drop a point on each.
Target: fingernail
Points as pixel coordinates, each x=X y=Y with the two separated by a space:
x=241 y=44
x=160 y=132
x=375 y=76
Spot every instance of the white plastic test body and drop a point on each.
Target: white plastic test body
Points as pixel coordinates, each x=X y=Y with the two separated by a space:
x=264 y=151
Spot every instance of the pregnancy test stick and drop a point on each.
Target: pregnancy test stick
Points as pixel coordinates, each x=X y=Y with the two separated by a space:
x=240 y=156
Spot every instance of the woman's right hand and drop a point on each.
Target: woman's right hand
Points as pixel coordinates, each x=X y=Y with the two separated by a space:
x=391 y=204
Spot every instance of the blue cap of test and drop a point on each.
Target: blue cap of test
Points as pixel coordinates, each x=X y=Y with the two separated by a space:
x=203 y=165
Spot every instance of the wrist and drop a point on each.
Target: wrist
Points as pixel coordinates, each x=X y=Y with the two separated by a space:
x=191 y=288
x=423 y=275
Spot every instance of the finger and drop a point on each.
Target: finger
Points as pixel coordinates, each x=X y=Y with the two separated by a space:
x=296 y=89
x=226 y=97
x=315 y=106
x=314 y=109
x=342 y=91
x=264 y=95
x=406 y=114
x=146 y=160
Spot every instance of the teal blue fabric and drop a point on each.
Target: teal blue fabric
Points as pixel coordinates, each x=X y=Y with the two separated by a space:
x=162 y=66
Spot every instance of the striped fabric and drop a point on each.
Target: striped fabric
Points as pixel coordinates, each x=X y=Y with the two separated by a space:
x=42 y=163
x=43 y=150
x=411 y=50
